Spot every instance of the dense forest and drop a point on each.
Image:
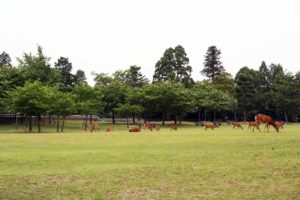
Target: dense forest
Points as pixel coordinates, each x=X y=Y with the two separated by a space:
x=34 y=88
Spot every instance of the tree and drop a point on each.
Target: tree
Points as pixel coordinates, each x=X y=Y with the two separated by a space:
x=224 y=82
x=113 y=95
x=60 y=104
x=37 y=68
x=134 y=77
x=173 y=66
x=79 y=78
x=212 y=64
x=88 y=101
x=102 y=79
x=5 y=59
x=246 y=90
x=127 y=109
x=65 y=68
x=29 y=100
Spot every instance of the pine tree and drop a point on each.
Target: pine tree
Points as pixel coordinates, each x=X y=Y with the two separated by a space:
x=212 y=64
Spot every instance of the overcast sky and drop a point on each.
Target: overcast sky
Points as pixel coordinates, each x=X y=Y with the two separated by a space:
x=104 y=36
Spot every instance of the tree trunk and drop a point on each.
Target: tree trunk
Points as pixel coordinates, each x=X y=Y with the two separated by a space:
x=285 y=116
x=133 y=118
x=30 y=124
x=234 y=115
x=199 y=114
x=16 y=121
x=63 y=124
x=49 y=120
x=175 y=118
x=39 y=123
x=164 y=118
x=127 y=123
x=91 y=119
x=214 y=116
x=113 y=117
x=205 y=114
x=245 y=116
x=57 y=123
x=85 y=124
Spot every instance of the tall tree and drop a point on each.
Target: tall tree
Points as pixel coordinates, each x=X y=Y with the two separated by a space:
x=79 y=78
x=5 y=59
x=37 y=68
x=212 y=63
x=102 y=79
x=134 y=77
x=65 y=70
x=173 y=66
x=246 y=90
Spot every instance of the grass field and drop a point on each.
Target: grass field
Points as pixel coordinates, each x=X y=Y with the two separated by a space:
x=188 y=164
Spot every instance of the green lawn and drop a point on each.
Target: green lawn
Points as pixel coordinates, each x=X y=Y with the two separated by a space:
x=191 y=163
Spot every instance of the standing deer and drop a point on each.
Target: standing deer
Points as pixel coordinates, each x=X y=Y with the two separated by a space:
x=279 y=124
x=110 y=129
x=260 y=118
x=237 y=124
x=211 y=126
x=254 y=124
x=94 y=127
x=173 y=127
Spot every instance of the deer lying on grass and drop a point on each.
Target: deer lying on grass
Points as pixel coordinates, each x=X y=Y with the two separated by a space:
x=237 y=124
x=260 y=118
x=135 y=129
x=110 y=129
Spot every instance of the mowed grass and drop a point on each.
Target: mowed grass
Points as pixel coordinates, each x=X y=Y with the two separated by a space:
x=190 y=163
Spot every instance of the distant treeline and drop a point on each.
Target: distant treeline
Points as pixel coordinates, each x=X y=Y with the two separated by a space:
x=35 y=88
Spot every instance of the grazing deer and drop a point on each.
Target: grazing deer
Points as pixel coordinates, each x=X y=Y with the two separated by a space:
x=260 y=118
x=254 y=124
x=94 y=127
x=136 y=129
x=279 y=124
x=211 y=126
x=173 y=127
x=237 y=124
x=110 y=129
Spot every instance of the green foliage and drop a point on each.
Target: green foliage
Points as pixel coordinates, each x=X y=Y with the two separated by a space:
x=79 y=78
x=37 y=68
x=173 y=66
x=64 y=68
x=212 y=64
x=5 y=59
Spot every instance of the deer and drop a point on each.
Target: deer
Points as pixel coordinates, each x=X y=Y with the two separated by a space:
x=254 y=124
x=94 y=127
x=211 y=126
x=268 y=120
x=157 y=127
x=237 y=124
x=136 y=129
x=279 y=124
x=148 y=127
x=110 y=129
x=173 y=127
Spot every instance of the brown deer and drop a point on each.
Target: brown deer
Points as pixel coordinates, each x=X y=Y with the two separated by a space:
x=279 y=124
x=157 y=127
x=260 y=118
x=237 y=124
x=148 y=127
x=254 y=125
x=94 y=127
x=136 y=129
x=173 y=127
x=211 y=126
x=110 y=129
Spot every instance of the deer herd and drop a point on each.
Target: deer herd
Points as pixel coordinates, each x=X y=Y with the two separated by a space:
x=259 y=119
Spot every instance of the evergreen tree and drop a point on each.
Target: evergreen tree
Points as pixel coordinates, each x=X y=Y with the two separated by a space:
x=79 y=78
x=65 y=67
x=5 y=59
x=212 y=64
